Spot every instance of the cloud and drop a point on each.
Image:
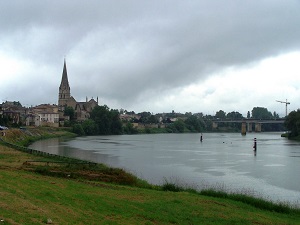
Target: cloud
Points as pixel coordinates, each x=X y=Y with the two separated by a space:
x=144 y=54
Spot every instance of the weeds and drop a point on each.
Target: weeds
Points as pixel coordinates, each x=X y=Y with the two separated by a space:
x=171 y=187
x=280 y=207
x=90 y=172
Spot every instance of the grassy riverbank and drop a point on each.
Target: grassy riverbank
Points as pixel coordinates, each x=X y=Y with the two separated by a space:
x=34 y=192
x=26 y=136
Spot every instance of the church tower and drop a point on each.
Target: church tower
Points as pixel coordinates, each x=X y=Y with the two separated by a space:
x=64 y=89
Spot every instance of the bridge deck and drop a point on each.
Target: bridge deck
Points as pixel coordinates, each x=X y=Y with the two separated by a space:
x=250 y=121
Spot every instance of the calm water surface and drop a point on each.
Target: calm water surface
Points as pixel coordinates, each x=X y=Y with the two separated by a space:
x=222 y=160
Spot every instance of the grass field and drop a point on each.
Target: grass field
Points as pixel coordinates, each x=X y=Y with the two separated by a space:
x=28 y=197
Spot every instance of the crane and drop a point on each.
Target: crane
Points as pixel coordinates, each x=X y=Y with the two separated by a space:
x=286 y=103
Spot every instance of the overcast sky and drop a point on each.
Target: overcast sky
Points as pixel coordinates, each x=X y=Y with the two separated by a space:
x=154 y=56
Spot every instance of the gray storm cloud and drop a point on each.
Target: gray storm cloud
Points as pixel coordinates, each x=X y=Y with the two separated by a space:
x=127 y=50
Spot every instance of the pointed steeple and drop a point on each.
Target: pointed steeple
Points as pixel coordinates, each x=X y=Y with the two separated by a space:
x=64 y=93
x=64 y=80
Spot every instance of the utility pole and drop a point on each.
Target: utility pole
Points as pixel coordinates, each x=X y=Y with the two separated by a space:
x=286 y=103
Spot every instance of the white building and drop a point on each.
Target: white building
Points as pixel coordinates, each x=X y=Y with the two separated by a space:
x=43 y=115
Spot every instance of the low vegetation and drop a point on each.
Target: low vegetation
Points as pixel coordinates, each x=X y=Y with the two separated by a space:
x=38 y=190
x=28 y=135
x=292 y=123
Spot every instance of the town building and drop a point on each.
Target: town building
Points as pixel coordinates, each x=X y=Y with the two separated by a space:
x=14 y=111
x=43 y=115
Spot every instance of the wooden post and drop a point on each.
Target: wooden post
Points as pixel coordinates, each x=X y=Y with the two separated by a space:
x=243 y=129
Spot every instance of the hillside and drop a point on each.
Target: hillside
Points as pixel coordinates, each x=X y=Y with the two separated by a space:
x=28 y=197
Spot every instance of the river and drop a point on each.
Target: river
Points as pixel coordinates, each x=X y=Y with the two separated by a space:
x=224 y=161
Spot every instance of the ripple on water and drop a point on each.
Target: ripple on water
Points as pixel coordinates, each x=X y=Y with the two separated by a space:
x=275 y=165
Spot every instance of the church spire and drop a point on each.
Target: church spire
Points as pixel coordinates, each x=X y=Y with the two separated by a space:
x=64 y=93
x=64 y=80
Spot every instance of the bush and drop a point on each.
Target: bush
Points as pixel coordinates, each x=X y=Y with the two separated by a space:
x=77 y=129
x=45 y=170
x=173 y=186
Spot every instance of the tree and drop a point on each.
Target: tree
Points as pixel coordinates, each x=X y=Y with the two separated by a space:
x=77 y=129
x=261 y=113
x=248 y=115
x=179 y=126
x=116 y=123
x=292 y=123
x=129 y=113
x=100 y=114
x=144 y=117
x=69 y=111
x=275 y=115
x=129 y=129
x=106 y=120
x=89 y=126
x=220 y=114
x=234 y=115
x=152 y=119
x=188 y=114
x=194 y=124
x=5 y=120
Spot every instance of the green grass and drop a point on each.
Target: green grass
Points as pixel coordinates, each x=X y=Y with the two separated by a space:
x=280 y=207
x=245 y=197
x=34 y=193
x=29 y=198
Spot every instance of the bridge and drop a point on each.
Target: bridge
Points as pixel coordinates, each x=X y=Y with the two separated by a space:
x=247 y=124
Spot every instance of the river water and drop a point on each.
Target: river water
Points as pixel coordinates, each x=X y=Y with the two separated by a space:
x=224 y=161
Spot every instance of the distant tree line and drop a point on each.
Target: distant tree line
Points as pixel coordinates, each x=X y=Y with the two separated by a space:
x=257 y=113
x=105 y=121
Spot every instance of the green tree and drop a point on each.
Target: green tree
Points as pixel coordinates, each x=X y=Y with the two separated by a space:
x=129 y=129
x=100 y=114
x=220 y=114
x=275 y=115
x=116 y=123
x=193 y=123
x=106 y=120
x=69 y=111
x=248 y=115
x=77 y=129
x=152 y=119
x=261 y=113
x=292 y=123
x=5 y=120
x=179 y=126
x=144 y=117
x=89 y=126
x=234 y=115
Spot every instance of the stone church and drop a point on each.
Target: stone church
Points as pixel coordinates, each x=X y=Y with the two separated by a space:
x=82 y=109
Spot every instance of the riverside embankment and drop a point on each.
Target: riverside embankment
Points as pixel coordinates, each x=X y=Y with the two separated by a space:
x=45 y=191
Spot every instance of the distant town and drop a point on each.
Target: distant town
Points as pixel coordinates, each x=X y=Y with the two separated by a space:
x=69 y=111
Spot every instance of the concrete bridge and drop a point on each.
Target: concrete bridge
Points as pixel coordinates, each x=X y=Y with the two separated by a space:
x=247 y=124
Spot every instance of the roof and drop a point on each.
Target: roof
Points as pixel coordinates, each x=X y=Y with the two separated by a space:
x=64 y=79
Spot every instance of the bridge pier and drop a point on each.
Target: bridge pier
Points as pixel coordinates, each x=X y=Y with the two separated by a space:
x=249 y=127
x=243 y=129
x=258 y=127
x=214 y=125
